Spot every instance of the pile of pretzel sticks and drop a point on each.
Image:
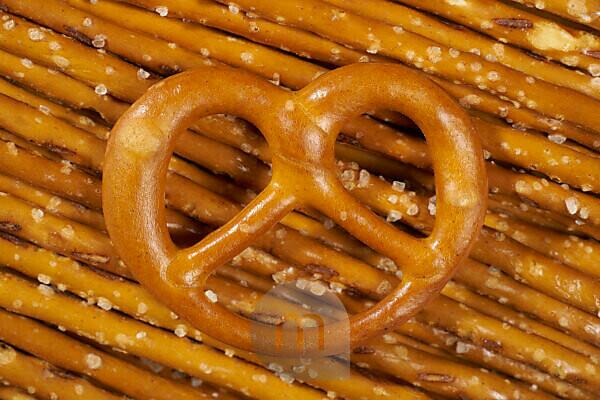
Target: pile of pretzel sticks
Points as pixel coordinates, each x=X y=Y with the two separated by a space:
x=520 y=320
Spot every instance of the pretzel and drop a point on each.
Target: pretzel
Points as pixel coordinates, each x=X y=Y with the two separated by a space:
x=275 y=201
x=585 y=12
x=572 y=47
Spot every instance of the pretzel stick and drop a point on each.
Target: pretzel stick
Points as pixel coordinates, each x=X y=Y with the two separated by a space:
x=486 y=248
x=488 y=282
x=68 y=353
x=300 y=42
x=53 y=84
x=428 y=335
x=68 y=58
x=158 y=345
x=53 y=204
x=435 y=375
x=464 y=291
x=480 y=100
x=351 y=29
x=56 y=135
x=87 y=74
x=77 y=185
x=578 y=253
x=469 y=324
x=571 y=47
x=473 y=353
x=181 y=33
x=494 y=168
x=296 y=258
x=12 y=393
x=466 y=40
x=110 y=11
x=585 y=12
x=37 y=150
x=45 y=380
x=83 y=122
x=481 y=249
x=48 y=107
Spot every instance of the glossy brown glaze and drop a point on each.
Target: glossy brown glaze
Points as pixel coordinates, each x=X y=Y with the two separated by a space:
x=301 y=128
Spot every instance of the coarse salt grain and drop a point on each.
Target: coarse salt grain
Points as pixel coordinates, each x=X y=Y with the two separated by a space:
x=37 y=214
x=101 y=89
x=93 y=361
x=211 y=296
x=572 y=205
x=162 y=11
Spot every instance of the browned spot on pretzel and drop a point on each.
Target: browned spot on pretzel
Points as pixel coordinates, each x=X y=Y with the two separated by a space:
x=78 y=35
x=9 y=227
x=13 y=239
x=592 y=53
x=325 y=272
x=437 y=378
x=363 y=350
x=514 y=23
x=91 y=258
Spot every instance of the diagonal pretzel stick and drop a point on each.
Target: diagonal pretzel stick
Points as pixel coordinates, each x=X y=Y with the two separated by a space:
x=585 y=12
x=67 y=353
x=467 y=40
x=45 y=380
x=521 y=28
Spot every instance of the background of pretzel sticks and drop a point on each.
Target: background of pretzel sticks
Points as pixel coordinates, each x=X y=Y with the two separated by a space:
x=520 y=319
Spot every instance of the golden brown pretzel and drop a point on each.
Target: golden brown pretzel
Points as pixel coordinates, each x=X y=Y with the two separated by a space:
x=301 y=129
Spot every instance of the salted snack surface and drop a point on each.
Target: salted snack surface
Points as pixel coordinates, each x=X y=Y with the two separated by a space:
x=191 y=190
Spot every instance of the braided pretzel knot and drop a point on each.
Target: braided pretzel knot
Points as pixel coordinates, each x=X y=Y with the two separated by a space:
x=301 y=129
